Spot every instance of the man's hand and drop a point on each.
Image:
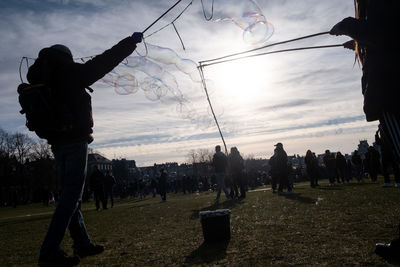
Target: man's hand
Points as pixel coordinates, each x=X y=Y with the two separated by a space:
x=137 y=36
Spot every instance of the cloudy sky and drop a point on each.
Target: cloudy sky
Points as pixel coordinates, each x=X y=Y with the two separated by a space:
x=305 y=99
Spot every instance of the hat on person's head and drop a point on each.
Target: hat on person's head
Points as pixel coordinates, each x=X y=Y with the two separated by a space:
x=279 y=145
x=62 y=48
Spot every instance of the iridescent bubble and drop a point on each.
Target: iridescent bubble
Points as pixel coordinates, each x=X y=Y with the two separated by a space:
x=126 y=84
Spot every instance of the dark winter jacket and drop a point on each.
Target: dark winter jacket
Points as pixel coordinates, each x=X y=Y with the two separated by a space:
x=69 y=80
x=220 y=161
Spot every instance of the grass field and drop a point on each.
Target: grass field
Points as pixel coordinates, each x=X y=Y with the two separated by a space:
x=324 y=226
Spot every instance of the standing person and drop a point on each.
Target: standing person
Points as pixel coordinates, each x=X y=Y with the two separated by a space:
x=349 y=170
x=374 y=30
x=162 y=184
x=236 y=166
x=97 y=187
x=311 y=168
x=341 y=167
x=153 y=186
x=56 y=68
x=279 y=169
x=220 y=162
x=372 y=158
x=330 y=166
x=357 y=163
x=109 y=182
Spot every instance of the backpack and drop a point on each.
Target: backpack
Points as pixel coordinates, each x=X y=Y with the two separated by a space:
x=44 y=114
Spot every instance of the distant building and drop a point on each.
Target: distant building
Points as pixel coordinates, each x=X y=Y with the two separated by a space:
x=101 y=162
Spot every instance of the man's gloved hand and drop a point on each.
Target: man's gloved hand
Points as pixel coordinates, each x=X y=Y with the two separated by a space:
x=344 y=27
x=137 y=36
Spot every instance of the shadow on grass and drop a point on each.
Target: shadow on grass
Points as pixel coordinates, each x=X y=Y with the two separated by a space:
x=207 y=253
x=224 y=205
x=299 y=197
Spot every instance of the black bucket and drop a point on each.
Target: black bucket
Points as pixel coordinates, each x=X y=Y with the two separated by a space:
x=216 y=225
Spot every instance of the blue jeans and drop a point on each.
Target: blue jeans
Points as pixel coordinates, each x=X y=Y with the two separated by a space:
x=71 y=162
x=220 y=176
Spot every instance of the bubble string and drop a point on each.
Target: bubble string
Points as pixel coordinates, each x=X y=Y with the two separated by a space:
x=175 y=19
x=273 y=52
x=245 y=14
x=203 y=80
x=154 y=22
x=204 y=11
x=266 y=46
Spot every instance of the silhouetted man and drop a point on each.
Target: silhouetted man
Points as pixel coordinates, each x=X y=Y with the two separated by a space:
x=56 y=69
x=236 y=166
x=220 y=162
x=109 y=182
x=97 y=186
x=279 y=169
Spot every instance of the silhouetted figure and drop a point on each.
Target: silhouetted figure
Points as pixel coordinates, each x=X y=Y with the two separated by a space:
x=357 y=164
x=220 y=163
x=56 y=68
x=312 y=168
x=236 y=166
x=372 y=163
x=349 y=170
x=341 y=165
x=97 y=186
x=162 y=184
x=153 y=186
x=279 y=169
x=109 y=182
x=374 y=30
x=330 y=166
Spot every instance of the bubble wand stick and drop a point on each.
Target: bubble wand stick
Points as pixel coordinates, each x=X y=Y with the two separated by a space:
x=169 y=9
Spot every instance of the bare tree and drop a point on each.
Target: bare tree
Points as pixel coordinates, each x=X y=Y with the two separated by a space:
x=22 y=145
x=41 y=150
x=205 y=155
x=192 y=156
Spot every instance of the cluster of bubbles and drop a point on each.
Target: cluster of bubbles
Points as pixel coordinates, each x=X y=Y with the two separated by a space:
x=244 y=13
x=149 y=74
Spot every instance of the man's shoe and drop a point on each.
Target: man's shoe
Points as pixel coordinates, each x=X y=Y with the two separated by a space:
x=391 y=250
x=89 y=250
x=60 y=258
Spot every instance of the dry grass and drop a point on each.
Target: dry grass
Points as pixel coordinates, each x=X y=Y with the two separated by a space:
x=325 y=226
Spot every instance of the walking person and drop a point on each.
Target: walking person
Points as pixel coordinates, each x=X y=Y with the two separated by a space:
x=109 y=182
x=97 y=187
x=236 y=166
x=357 y=165
x=372 y=158
x=220 y=163
x=56 y=68
x=330 y=166
x=374 y=30
x=279 y=169
x=340 y=167
x=162 y=184
x=311 y=168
